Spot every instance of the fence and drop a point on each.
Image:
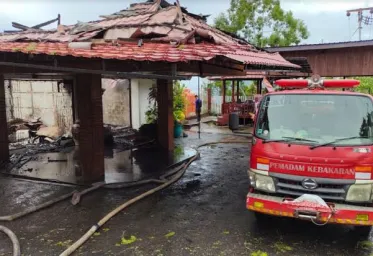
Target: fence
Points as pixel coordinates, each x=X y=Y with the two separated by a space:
x=217 y=101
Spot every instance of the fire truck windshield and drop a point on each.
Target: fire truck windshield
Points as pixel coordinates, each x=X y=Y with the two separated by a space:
x=316 y=119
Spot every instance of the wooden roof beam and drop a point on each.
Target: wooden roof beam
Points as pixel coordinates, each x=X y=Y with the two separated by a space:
x=20 y=26
x=38 y=26
x=58 y=19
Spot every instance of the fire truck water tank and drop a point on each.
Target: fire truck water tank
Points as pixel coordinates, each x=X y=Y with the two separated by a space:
x=233 y=121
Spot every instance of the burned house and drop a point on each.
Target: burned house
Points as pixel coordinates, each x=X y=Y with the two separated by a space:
x=155 y=41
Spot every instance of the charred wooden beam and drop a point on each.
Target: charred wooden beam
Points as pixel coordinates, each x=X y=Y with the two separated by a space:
x=20 y=26
x=12 y=31
x=128 y=75
x=118 y=68
x=47 y=23
x=38 y=26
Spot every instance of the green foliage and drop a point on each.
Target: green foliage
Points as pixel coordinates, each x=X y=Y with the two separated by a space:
x=252 y=19
x=179 y=102
x=179 y=98
x=152 y=113
x=245 y=89
x=366 y=84
x=179 y=116
x=249 y=89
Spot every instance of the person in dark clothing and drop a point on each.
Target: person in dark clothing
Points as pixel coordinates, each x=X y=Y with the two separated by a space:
x=198 y=108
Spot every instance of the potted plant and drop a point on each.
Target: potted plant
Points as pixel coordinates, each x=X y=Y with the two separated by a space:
x=179 y=102
x=179 y=117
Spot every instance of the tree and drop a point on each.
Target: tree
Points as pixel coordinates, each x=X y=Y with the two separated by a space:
x=245 y=89
x=179 y=101
x=252 y=19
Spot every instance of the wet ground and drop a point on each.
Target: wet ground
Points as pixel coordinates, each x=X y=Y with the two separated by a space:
x=202 y=214
x=120 y=165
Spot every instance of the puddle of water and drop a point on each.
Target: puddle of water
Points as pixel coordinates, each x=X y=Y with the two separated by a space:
x=120 y=166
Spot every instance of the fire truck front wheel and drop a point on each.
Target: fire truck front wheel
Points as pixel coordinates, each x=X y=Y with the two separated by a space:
x=262 y=217
x=362 y=231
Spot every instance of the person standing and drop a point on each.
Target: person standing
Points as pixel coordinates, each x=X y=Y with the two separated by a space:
x=198 y=104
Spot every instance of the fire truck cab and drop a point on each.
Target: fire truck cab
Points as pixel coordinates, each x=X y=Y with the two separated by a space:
x=312 y=153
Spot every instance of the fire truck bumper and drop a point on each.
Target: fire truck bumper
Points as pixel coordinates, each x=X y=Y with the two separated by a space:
x=342 y=213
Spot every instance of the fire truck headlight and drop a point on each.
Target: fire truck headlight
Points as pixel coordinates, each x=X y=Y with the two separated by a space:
x=252 y=179
x=359 y=193
x=264 y=183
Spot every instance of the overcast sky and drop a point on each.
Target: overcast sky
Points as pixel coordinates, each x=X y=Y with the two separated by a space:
x=325 y=19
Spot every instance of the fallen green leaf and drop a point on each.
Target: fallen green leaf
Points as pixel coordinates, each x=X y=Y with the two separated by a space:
x=171 y=234
x=105 y=229
x=96 y=234
x=131 y=240
x=281 y=247
x=259 y=253
x=65 y=243
x=226 y=232
x=365 y=244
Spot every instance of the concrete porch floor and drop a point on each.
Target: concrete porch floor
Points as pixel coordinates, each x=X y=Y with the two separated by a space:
x=148 y=161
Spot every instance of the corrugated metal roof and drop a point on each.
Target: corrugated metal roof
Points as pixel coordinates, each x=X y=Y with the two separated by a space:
x=309 y=47
x=197 y=40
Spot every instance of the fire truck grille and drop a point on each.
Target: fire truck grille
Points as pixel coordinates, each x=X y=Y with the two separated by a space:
x=328 y=191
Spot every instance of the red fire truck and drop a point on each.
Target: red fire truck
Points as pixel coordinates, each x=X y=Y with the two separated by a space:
x=311 y=154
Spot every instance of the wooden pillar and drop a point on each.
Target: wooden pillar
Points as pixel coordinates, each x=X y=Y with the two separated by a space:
x=233 y=91
x=165 y=127
x=224 y=90
x=209 y=100
x=88 y=93
x=238 y=90
x=224 y=93
x=4 y=143
x=258 y=87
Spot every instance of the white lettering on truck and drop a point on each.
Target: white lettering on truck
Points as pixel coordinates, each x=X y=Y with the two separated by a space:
x=288 y=167
x=314 y=169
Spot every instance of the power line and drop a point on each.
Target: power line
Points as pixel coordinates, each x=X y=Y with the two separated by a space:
x=360 y=18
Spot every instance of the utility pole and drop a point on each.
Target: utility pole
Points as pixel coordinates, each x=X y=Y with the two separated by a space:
x=360 y=17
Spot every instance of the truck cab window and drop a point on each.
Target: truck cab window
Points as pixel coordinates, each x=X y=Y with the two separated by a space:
x=317 y=117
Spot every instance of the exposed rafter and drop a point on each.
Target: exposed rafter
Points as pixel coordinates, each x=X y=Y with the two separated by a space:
x=38 y=26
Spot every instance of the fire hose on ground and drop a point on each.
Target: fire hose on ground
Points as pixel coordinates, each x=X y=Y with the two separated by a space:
x=178 y=173
x=14 y=239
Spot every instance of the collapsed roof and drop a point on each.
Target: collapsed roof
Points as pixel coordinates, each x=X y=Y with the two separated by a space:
x=148 y=31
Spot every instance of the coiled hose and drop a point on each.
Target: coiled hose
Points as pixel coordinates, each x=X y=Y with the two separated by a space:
x=14 y=239
x=178 y=174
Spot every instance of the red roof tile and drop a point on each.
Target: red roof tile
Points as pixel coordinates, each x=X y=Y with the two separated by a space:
x=149 y=52
x=138 y=21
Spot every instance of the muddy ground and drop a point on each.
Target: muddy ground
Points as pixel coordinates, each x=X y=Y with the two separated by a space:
x=202 y=214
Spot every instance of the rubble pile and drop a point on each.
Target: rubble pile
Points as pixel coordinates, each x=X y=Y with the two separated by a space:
x=29 y=132
x=123 y=137
x=30 y=138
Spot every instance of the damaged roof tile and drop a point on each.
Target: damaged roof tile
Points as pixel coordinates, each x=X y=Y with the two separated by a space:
x=164 y=26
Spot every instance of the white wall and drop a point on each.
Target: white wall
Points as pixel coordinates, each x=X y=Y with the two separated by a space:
x=47 y=100
x=53 y=103
x=115 y=102
x=140 y=89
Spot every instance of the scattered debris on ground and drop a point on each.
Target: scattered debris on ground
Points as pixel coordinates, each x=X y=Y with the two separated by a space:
x=30 y=138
